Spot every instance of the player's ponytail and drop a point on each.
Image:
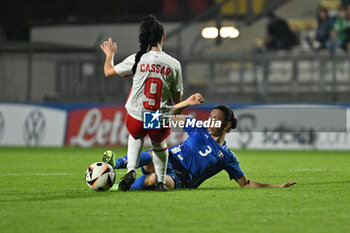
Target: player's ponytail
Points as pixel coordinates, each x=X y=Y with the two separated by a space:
x=229 y=116
x=143 y=50
x=151 y=32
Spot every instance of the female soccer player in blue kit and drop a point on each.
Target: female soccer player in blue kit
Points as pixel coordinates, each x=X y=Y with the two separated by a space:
x=202 y=155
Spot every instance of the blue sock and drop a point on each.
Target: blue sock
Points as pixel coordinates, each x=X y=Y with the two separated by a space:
x=139 y=183
x=145 y=159
x=121 y=162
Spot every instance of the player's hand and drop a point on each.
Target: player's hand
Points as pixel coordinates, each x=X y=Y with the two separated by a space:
x=109 y=47
x=288 y=184
x=195 y=99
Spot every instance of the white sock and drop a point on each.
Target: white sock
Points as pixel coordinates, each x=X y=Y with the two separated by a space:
x=134 y=151
x=160 y=160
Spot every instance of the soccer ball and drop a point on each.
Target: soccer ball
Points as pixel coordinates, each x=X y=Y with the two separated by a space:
x=100 y=176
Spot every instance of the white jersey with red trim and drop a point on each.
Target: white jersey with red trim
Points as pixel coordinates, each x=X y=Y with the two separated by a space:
x=157 y=77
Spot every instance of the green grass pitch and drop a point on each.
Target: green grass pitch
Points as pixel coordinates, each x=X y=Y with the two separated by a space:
x=44 y=190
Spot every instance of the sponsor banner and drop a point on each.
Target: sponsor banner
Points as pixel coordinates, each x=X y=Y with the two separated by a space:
x=31 y=125
x=291 y=127
x=289 y=141
x=259 y=127
x=105 y=126
x=100 y=126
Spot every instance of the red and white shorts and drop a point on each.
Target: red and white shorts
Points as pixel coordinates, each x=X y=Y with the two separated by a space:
x=135 y=128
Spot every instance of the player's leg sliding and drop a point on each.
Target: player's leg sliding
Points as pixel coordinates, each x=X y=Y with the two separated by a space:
x=139 y=183
x=119 y=163
x=144 y=160
x=134 y=150
x=109 y=157
x=148 y=180
x=160 y=160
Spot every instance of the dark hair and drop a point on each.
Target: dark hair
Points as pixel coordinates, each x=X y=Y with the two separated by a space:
x=151 y=32
x=229 y=116
x=319 y=10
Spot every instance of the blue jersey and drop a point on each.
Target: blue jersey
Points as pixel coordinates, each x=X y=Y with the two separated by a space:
x=200 y=157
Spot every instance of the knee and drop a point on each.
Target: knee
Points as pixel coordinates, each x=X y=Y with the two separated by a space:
x=150 y=180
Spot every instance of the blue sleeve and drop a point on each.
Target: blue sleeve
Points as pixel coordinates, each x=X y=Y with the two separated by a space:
x=191 y=126
x=232 y=166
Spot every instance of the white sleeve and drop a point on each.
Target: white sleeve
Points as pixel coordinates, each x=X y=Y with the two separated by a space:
x=125 y=67
x=178 y=85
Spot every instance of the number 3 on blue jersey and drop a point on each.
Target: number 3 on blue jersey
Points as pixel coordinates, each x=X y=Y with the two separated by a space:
x=206 y=152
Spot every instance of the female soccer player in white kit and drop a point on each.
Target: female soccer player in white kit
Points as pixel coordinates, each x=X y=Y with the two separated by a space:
x=157 y=85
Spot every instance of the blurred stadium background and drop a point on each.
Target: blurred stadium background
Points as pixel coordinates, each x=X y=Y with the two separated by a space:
x=50 y=51
x=50 y=57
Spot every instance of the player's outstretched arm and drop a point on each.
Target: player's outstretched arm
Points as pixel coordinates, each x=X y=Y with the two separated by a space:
x=244 y=182
x=109 y=48
x=193 y=100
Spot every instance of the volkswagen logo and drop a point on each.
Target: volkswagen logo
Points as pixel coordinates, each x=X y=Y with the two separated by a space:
x=2 y=125
x=34 y=128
